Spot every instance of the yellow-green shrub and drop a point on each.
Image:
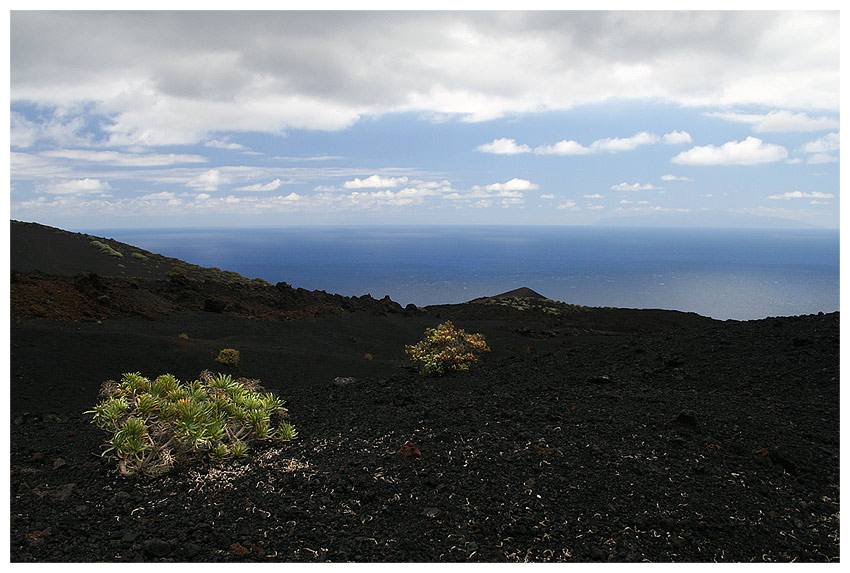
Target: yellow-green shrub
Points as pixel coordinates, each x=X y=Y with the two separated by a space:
x=445 y=349
x=228 y=356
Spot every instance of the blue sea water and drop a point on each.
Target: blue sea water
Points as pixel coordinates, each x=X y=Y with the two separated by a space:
x=721 y=273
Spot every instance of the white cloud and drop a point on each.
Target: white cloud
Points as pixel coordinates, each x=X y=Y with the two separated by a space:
x=593 y=196
x=779 y=121
x=675 y=137
x=503 y=146
x=633 y=187
x=217 y=143
x=547 y=196
x=406 y=196
x=156 y=196
x=569 y=206
x=821 y=158
x=75 y=187
x=675 y=178
x=209 y=180
x=751 y=151
x=270 y=186
x=563 y=147
x=124 y=159
x=802 y=195
x=374 y=181
x=512 y=186
x=829 y=142
x=615 y=144
x=609 y=144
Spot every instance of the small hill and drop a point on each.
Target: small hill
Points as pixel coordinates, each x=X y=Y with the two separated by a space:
x=522 y=292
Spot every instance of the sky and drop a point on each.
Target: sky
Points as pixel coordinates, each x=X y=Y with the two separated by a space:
x=197 y=119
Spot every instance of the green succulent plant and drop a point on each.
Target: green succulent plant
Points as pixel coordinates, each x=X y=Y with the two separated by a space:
x=157 y=423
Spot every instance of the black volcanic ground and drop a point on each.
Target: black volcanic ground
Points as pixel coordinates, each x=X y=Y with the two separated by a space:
x=586 y=435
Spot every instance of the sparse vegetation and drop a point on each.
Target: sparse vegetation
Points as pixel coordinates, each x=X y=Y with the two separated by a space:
x=106 y=249
x=445 y=349
x=228 y=356
x=159 y=423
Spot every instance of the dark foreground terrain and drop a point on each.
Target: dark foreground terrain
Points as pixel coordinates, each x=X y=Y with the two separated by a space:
x=585 y=435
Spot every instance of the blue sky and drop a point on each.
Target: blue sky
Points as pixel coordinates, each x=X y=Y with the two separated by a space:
x=174 y=119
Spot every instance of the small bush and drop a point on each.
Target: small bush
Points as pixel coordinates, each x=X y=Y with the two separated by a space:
x=104 y=248
x=228 y=356
x=138 y=255
x=445 y=349
x=159 y=423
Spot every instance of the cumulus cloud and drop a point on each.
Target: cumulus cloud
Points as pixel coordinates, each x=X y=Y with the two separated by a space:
x=270 y=186
x=374 y=181
x=220 y=144
x=503 y=146
x=569 y=206
x=669 y=177
x=675 y=137
x=209 y=180
x=802 y=195
x=406 y=196
x=593 y=196
x=563 y=147
x=213 y=72
x=512 y=186
x=818 y=158
x=779 y=121
x=572 y=147
x=633 y=187
x=751 y=151
x=615 y=144
x=829 y=142
x=75 y=187
x=609 y=144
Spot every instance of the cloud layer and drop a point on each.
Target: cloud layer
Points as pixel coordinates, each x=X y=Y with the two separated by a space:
x=165 y=78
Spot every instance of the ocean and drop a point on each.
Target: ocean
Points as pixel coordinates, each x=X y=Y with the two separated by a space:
x=721 y=273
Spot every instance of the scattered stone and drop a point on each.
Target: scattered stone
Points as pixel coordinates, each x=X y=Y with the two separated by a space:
x=344 y=380
x=431 y=512
x=238 y=550
x=59 y=463
x=157 y=547
x=187 y=551
x=686 y=419
x=130 y=537
x=408 y=450
x=35 y=538
x=601 y=379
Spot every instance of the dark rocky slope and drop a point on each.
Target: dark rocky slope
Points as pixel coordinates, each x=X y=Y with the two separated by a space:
x=585 y=435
